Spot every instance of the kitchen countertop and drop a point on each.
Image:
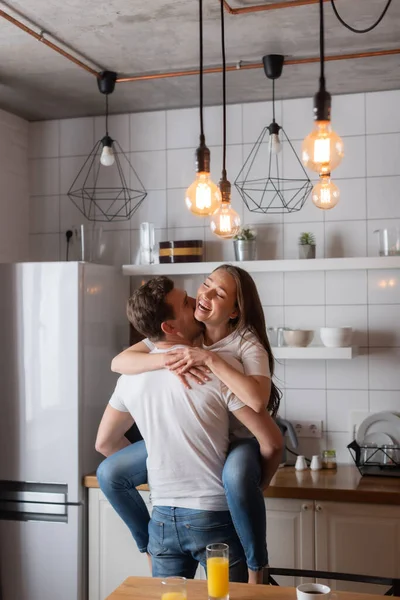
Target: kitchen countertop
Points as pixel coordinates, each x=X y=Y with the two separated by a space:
x=344 y=484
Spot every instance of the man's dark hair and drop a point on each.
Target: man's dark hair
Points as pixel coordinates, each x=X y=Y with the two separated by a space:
x=147 y=308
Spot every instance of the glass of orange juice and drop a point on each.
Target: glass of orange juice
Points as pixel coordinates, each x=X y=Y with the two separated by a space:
x=218 y=571
x=173 y=588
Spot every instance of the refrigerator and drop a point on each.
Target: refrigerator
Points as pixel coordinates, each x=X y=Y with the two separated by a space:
x=60 y=326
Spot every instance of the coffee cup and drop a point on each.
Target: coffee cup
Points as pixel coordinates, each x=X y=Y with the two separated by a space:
x=308 y=591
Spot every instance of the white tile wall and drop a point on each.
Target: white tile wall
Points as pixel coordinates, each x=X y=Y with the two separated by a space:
x=161 y=146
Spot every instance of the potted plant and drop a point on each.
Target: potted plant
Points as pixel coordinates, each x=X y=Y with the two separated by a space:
x=245 y=244
x=307 y=245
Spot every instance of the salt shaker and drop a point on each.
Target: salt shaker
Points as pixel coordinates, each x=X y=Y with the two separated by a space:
x=301 y=464
x=316 y=463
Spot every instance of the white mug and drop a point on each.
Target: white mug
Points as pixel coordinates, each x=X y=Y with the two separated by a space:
x=308 y=591
x=301 y=464
x=316 y=463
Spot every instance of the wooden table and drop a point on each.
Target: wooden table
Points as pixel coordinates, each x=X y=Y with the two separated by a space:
x=148 y=588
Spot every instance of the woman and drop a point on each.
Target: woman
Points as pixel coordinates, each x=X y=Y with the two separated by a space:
x=229 y=307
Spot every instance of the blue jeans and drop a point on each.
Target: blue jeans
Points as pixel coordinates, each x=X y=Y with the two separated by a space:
x=178 y=538
x=119 y=474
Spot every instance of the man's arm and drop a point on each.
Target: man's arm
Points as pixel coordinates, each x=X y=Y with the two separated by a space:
x=268 y=435
x=111 y=433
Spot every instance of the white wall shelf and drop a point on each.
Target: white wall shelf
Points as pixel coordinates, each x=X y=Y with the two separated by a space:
x=265 y=266
x=314 y=353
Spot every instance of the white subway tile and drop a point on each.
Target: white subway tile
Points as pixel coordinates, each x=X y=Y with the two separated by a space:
x=306 y=405
x=383 y=111
x=44 y=214
x=183 y=129
x=181 y=169
x=383 y=197
x=353 y=163
x=70 y=173
x=292 y=232
x=342 y=402
x=274 y=316
x=152 y=210
x=305 y=374
x=352 y=204
x=147 y=131
x=258 y=219
x=339 y=441
x=373 y=238
x=44 y=247
x=304 y=288
x=187 y=233
x=257 y=116
x=178 y=214
x=118 y=129
x=384 y=372
x=384 y=287
x=213 y=124
x=383 y=154
x=350 y=316
x=384 y=400
x=269 y=241
x=76 y=136
x=44 y=139
x=384 y=325
x=308 y=214
x=234 y=161
x=298 y=117
x=70 y=216
x=346 y=287
x=345 y=238
x=151 y=168
x=44 y=177
x=348 y=374
x=217 y=249
x=117 y=248
x=306 y=317
x=348 y=114
x=254 y=170
x=270 y=288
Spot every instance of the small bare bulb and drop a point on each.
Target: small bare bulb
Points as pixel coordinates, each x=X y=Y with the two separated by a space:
x=225 y=223
x=274 y=144
x=203 y=197
x=322 y=149
x=107 y=157
x=325 y=194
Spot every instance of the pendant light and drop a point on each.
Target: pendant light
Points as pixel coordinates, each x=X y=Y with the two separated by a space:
x=325 y=194
x=225 y=223
x=260 y=182
x=107 y=187
x=203 y=197
x=322 y=149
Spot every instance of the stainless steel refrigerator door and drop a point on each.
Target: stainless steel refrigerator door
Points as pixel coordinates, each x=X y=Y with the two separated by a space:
x=43 y=559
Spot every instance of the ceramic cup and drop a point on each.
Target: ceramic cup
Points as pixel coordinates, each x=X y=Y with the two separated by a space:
x=316 y=463
x=301 y=464
x=308 y=591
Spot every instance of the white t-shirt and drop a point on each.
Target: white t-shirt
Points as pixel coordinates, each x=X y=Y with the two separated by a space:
x=254 y=361
x=186 y=434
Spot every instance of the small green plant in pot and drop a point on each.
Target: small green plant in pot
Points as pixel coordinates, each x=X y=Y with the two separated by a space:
x=307 y=245
x=245 y=244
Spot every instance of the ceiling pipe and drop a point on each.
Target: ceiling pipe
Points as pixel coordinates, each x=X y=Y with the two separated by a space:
x=40 y=38
x=249 y=66
x=265 y=7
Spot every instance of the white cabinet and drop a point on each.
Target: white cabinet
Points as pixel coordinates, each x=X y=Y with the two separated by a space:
x=113 y=554
x=357 y=538
x=290 y=535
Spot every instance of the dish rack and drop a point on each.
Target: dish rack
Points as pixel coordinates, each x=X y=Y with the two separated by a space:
x=380 y=462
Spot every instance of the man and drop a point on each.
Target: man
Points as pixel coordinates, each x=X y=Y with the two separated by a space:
x=187 y=436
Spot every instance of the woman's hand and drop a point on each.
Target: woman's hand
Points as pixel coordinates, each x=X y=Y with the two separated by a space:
x=186 y=359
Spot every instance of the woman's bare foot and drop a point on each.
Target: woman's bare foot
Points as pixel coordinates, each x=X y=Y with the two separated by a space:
x=256 y=576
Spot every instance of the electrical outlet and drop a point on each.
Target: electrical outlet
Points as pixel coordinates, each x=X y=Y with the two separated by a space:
x=308 y=429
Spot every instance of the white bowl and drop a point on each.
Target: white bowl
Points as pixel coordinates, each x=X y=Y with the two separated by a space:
x=336 y=337
x=298 y=338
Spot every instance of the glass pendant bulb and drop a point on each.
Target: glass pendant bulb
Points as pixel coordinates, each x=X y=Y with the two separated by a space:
x=203 y=197
x=322 y=149
x=225 y=223
x=325 y=194
x=274 y=144
x=107 y=158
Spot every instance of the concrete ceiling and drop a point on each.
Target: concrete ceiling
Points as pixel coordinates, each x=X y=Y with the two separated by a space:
x=135 y=37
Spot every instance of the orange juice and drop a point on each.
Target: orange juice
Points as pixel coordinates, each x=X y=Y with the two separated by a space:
x=218 y=577
x=173 y=596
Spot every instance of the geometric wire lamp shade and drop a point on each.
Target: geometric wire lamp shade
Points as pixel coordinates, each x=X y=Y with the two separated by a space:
x=111 y=193
x=260 y=182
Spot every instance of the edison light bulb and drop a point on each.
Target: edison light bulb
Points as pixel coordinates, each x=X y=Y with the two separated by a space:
x=107 y=156
x=322 y=149
x=225 y=222
x=274 y=144
x=325 y=194
x=203 y=197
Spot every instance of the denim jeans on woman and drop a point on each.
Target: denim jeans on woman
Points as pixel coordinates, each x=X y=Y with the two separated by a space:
x=120 y=473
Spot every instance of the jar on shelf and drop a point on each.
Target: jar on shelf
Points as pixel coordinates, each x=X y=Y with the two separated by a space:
x=329 y=459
